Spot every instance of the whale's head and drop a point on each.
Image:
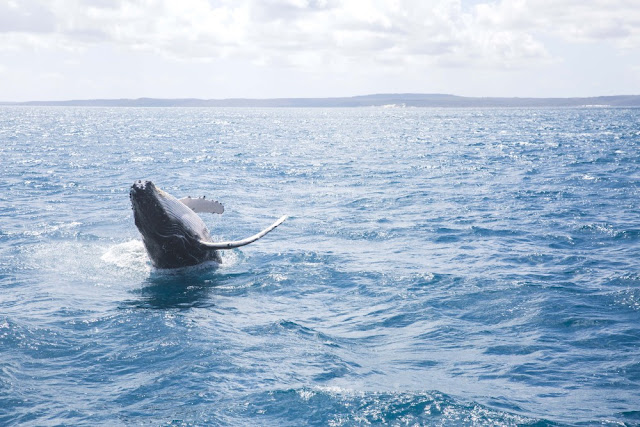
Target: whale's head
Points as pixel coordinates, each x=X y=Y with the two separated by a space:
x=148 y=210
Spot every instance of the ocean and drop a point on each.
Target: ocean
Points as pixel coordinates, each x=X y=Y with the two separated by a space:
x=438 y=267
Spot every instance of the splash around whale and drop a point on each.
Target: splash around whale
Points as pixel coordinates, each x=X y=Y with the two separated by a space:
x=172 y=232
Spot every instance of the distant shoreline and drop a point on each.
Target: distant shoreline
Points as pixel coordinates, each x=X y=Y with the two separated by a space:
x=379 y=100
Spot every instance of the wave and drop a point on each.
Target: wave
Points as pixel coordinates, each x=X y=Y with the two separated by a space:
x=338 y=406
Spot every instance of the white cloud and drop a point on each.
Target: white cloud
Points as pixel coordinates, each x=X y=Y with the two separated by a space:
x=294 y=46
x=27 y=16
x=503 y=33
x=572 y=20
x=300 y=32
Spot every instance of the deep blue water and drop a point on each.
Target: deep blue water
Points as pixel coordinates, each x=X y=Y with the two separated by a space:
x=439 y=267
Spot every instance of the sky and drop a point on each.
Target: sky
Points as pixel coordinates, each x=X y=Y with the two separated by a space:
x=216 y=49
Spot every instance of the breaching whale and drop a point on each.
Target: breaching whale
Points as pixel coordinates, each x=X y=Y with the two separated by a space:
x=173 y=233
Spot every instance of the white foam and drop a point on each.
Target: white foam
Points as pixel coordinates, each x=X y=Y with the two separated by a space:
x=230 y=258
x=131 y=255
x=142 y=159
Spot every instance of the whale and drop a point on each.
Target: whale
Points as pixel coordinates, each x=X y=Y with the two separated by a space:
x=173 y=233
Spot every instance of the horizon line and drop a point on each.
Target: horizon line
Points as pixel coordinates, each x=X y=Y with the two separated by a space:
x=137 y=98
x=375 y=99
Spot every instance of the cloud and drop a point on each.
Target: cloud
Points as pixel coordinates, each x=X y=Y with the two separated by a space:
x=572 y=20
x=329 y=33
x=26 y=16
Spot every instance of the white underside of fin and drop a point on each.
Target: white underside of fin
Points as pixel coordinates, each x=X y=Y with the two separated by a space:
x=202 y=205
x=243 y=242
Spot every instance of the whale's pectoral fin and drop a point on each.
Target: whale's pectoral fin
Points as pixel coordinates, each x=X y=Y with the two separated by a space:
x=238 y=243
x=200 y=205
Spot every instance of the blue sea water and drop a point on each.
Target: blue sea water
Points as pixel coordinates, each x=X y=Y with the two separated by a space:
x=439 y=267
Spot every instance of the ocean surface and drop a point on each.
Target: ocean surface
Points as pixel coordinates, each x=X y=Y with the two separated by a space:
x=439 y=267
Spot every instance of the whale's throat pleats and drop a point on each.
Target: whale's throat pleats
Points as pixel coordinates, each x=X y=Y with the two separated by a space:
x=181 y=219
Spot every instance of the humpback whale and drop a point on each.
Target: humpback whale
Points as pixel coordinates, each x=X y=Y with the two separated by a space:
x=172 y=232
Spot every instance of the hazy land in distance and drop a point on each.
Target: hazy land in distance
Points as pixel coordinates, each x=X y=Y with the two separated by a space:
x=401 y=100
